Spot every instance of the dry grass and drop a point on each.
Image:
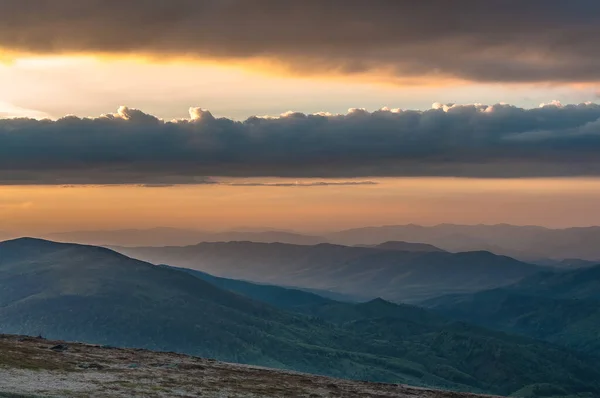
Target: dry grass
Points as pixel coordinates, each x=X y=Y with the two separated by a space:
x=30 y=366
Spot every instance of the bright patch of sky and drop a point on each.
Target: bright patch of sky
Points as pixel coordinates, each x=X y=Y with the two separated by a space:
x=86 y=86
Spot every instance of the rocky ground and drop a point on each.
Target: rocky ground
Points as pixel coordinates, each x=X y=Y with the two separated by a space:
x=35 y=367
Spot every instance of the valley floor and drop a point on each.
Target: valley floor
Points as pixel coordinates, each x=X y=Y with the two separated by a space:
x=35 y=367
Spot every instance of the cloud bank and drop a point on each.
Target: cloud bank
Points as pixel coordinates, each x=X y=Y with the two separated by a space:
x=506 y=41
x=132 y=147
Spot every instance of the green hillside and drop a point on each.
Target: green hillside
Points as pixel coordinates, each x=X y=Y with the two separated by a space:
x=92 y=294
x=560 y=307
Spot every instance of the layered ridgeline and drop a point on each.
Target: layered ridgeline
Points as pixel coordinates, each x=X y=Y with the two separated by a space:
x=404 y=246
x=526 y=243
x=361 y=272
x=560 y=307
x=92 y=294
x=175 y=236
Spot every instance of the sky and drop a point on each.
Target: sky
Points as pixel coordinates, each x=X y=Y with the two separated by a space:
x=556 y=203
x=313 y=115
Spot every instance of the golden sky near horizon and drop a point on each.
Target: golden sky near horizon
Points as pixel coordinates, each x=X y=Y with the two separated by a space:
x=549 y=202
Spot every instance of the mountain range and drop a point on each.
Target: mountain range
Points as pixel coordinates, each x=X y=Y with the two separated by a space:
x=403 y=246
x=526 y=243
x=174 y=236
x=361 y=272
x=92 y=294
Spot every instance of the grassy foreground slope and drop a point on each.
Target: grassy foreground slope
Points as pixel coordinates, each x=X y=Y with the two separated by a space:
x=30 y=367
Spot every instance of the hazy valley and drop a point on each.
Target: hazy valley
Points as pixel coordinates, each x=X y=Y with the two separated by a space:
x=359 y=272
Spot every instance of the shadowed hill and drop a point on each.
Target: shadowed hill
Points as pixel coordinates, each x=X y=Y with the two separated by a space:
x=277 y=296
x=574 y=284
x=318 y=306
x=407 y=247
x=561 y=307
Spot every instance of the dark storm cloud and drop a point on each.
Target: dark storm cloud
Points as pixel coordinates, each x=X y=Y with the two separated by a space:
x=508 y=40
x=460 y=140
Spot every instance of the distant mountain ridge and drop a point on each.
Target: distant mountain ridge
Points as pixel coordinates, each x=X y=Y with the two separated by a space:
x=361 y=272
x=177 y=237
x=526 y=243
x=523 y=242
x=404 y=246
